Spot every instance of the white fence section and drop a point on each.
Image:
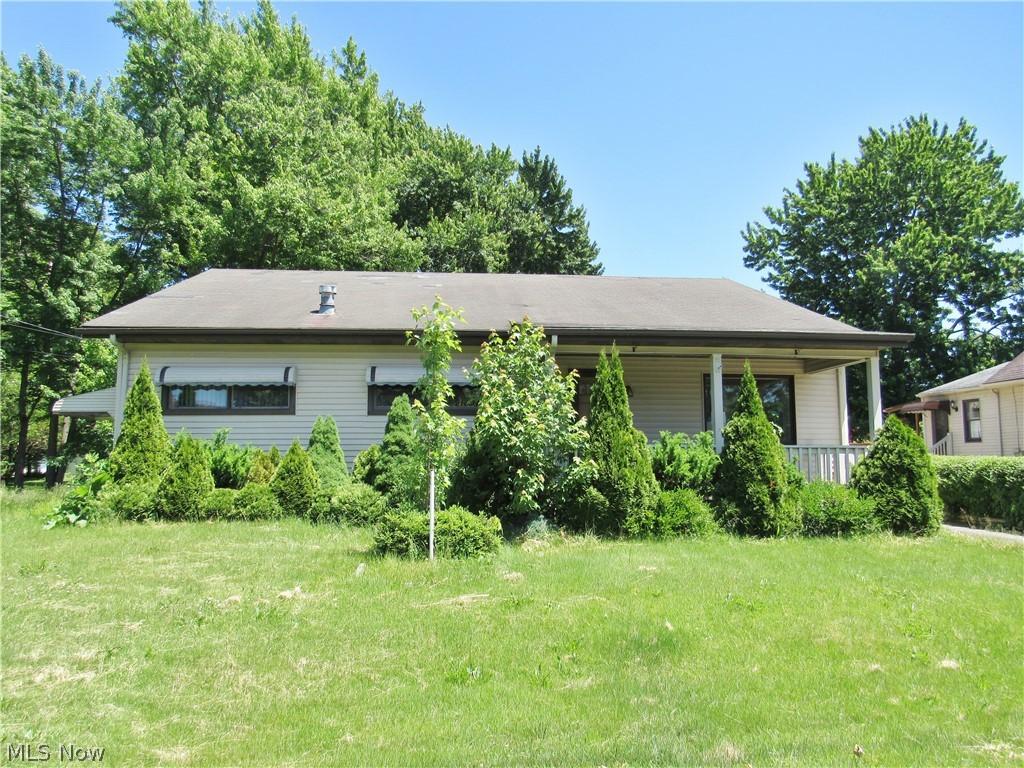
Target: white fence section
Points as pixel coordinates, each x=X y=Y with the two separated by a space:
x=944 y=447
x=826 y=462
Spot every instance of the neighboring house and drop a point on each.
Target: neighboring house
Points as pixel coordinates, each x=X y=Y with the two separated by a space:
x=265 y=352
x=981 y=414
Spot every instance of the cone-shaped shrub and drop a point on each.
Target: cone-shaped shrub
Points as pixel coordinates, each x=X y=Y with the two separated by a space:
x=403 y=471
x=624 y=475
x=899 y=476
x=187 y=481
x=295 y=483
x=261 y=469
x=326 y=454
x=752 y=478
x=142 y=447
x=275 y=456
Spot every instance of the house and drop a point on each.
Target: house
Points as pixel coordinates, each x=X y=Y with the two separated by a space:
x=265 y=352
x=978 y=415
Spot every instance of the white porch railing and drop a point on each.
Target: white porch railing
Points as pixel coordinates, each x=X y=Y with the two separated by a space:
x=943 y=447
x=826 y=462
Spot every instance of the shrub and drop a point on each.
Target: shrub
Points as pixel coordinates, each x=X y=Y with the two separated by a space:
x=683 y=513
x=142 y=448
x=458 y=533
x=525 y=431
x=624 y=476
x=257 y=502
x=355 y=503
x=899 y=475
x=187 y=481
x=295 y=482
x=81 y=505
x=130 y=501
x=402 y=472
x=275 y=456
x=229 y=463
x=261 y=469
x=752 y=481
x=680 y=461
x=834 y=510
x=219 y=504
x=368 y=465
x=983 y=487
x=325 y=453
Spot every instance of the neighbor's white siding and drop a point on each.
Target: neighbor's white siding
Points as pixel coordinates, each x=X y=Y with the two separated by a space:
x=331 y=380
x=1008 y=409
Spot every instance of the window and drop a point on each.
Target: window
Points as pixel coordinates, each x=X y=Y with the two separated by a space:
x=380 y=397
x=199 y=399
x=972 y=421
x=777 y=394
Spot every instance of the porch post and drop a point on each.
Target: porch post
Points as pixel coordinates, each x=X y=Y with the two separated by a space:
x=51 y=448
x=843 y=405
x=874 y=396
x=717 y=401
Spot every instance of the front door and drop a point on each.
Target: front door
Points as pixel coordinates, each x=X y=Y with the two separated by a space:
x=940 y=424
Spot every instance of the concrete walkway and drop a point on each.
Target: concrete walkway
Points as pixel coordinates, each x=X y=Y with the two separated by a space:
x=980 y=533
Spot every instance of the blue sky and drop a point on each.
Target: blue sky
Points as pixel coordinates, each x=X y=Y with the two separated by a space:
x=674 y=123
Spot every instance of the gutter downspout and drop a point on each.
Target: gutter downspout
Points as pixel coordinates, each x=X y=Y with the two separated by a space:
x=999 y=420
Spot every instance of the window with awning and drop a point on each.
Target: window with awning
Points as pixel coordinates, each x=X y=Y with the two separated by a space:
x=228 y=389
x=386 y=382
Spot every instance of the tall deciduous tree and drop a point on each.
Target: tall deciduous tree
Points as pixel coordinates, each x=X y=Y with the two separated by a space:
x=909 y=236
x=60 y=155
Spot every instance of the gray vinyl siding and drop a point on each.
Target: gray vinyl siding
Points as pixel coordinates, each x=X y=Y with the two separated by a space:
x=1002 y=416
x=331 y=380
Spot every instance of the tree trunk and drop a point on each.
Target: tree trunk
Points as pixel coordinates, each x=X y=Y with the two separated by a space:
x=21 y=454
x=52 y=447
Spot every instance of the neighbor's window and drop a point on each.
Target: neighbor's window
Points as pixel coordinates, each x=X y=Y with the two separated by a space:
x=777 y=394
x=235 y=398
x=972 y=421
x=379 y=398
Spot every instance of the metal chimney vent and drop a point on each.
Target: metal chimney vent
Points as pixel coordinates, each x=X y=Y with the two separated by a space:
x=327 y=296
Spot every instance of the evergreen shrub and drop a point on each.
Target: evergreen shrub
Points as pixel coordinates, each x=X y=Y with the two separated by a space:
x=257 y=502
x=982 y=488
x=295 y=483
x=355 y=503
x=835 y=510
x=219 y=504
x=187 y=481
x=684 y=512
x=325 y=453
x=680 y=461
x=143 y=448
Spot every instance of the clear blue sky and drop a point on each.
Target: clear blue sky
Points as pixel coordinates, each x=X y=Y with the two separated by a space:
x=674 y=124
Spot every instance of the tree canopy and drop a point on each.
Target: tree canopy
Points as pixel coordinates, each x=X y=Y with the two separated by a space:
x=909 y=236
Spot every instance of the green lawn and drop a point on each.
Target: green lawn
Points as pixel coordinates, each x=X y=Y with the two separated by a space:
x=171 y=644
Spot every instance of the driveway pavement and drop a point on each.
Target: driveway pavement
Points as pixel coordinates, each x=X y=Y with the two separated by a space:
x=981 y=533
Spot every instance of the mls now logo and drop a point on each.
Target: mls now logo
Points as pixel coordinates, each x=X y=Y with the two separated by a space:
x=42 y=753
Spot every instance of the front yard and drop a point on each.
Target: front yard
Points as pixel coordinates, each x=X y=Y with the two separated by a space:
x=272 y=643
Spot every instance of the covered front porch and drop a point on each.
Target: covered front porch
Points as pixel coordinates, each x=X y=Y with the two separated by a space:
x=693 y=390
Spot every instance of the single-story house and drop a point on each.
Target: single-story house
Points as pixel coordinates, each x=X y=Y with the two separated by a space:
x=978 y=415
x=265 y=352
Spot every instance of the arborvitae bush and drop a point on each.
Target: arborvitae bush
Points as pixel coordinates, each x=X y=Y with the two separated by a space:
x=143 y=447
x=187 y=481
x=367 y=466
x=257 y=502
x=624 y=476
x=261 y=469
x=899 y=475
x=326 y=454
x=402 y=472
x=130 y=501
x=219 y=504
x=680 y=461
x=295 y=483
x=835 y=510
x=275 y=456
x=355 y=503
x=458 y=533
x=228 y=462
x=683 y=512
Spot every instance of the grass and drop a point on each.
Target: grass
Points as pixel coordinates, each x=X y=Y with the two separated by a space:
x=170 y=644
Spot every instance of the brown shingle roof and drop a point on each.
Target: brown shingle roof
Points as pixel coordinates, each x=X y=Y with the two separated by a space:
x=268 y=301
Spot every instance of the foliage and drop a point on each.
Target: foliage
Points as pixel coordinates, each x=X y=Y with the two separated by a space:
x=355 y=503
x=683 y=512
x=910 y=236
x=326 y=454
x=275 y=456
x=402 y=471
x=525 y=433
x=257 y=502
x=187 y=481
x=624 y=476
x=459 y=533
x=143 y=447
x=982 y=487
x=752 y=482
x=295 y=482
x=680 y=461
x=130 y=501
x=229 y=463
x=219 y=504
x=261 y=468
x=899 y=476
x=81 y=504
x=367 y=468
x=438 y=430
x=835 y=510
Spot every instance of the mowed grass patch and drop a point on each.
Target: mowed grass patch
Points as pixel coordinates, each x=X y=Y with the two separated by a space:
x=173 y=644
